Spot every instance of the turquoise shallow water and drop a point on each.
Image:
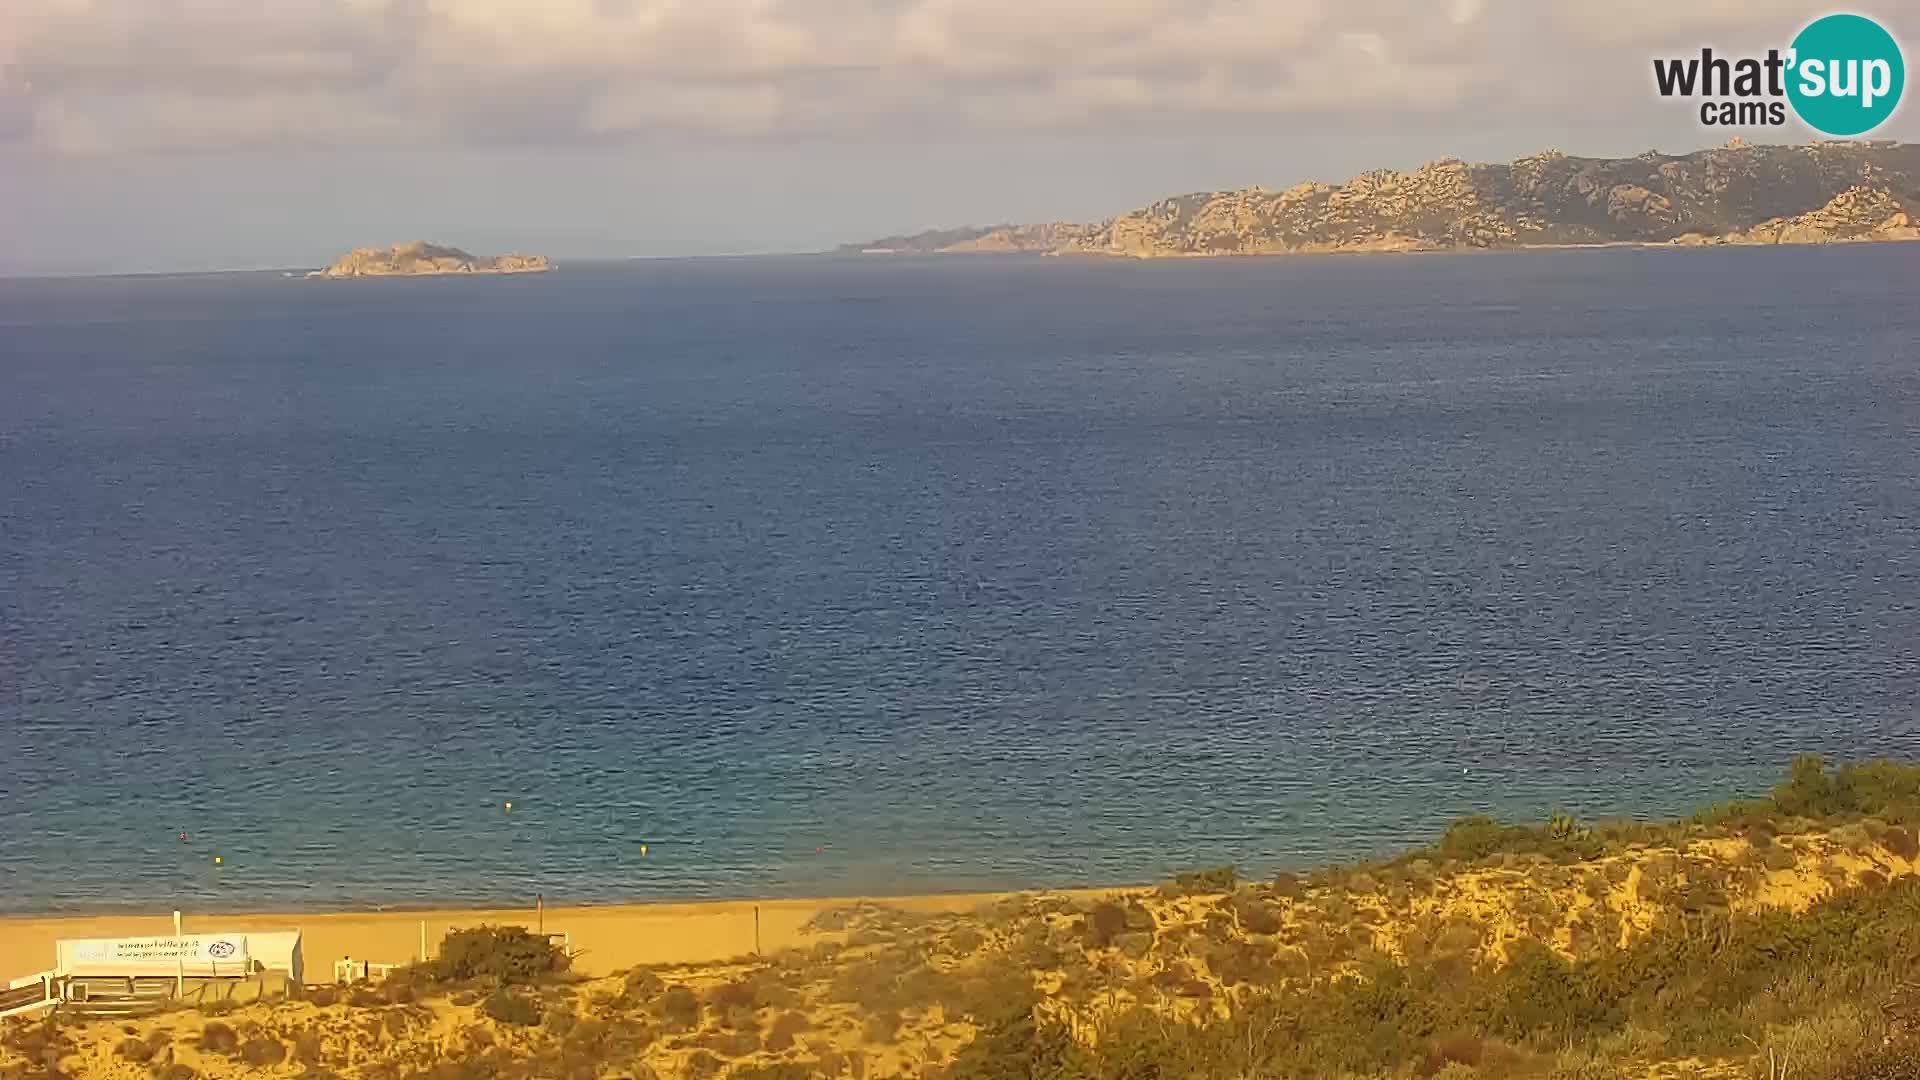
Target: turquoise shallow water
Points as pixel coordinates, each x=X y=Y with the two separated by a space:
x=823 y=576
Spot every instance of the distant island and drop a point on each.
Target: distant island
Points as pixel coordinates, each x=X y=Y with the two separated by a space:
x=1825 y=192
x=419 y=259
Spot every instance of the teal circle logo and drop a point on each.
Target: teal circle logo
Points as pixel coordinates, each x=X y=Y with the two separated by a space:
x=1847 y=75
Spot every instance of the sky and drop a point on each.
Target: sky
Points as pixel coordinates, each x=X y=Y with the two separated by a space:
x=155 y=135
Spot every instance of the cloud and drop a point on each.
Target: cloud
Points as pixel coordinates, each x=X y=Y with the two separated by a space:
x=107 y=76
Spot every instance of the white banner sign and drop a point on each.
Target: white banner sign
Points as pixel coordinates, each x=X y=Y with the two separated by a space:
x=195 y=951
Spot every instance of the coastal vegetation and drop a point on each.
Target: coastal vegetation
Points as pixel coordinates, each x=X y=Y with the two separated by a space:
x=1772 y=938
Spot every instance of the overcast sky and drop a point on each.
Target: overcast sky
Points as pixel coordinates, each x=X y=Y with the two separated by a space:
x=191 y=134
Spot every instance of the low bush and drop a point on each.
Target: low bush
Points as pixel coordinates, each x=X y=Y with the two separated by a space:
x=1219 y=879
x=262 y=1053
x=679 y=1007
x=732 y=1044
x=882 y=1026
x=502 y=955
x=1106 y=920
x=510 y=1008
x=1688 y=987
x=1255 y=916
x=218 y=1038
x=965 y=940
x=785 y=1030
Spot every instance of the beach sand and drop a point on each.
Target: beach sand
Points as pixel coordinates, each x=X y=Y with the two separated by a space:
x=608 y=938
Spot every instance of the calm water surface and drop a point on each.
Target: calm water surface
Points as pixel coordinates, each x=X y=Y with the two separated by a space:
x=819 y=576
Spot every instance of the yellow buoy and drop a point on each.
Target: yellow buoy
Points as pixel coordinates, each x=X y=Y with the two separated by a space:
x=509 y=807
x=643 y=851
x=216 y=860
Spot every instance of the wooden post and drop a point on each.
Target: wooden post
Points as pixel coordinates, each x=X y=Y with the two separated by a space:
x=423 y=941
x=540 y=907
x=179 y=962
x=756 y=929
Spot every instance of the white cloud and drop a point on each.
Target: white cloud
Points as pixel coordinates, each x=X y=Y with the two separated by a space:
x=99 y=76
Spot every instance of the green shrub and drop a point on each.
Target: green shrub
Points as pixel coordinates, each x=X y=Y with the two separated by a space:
x=263 y=1052
x=1902 y=842
x=781 y=1035
x=1470 y=839
x=503 y=955
x=1256 y=916
x=1564 y=828
x=510 y=1008
x=1886 y=790
x=732 y=1044
x=679 y=1007
x=218 y=1038
x=966 y=940
x=642 y=984
x=882 y=1026
x=1106 y=920
x=1809 y=792
x=733 y=995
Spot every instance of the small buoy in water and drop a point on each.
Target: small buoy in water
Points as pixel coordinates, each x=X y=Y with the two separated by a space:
x=183 y=836
x=818 y=850
x=509 y=808
x=216 y=860
x=643 y=851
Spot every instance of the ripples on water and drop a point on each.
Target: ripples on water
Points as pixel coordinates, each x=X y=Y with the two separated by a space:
x=964 y=573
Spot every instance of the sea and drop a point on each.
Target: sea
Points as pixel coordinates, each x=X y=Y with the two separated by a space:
x=833 y=576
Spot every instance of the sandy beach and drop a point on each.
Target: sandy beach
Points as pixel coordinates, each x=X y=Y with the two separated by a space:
x=609 y=938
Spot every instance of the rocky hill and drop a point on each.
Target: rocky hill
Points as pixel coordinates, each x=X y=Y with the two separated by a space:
x=1736 y=194
x=419 y=258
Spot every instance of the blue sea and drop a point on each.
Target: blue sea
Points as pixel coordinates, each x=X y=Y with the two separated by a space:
x=822 y=576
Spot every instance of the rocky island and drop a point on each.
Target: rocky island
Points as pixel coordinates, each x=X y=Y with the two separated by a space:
x=1824 y=192
x=419 y=258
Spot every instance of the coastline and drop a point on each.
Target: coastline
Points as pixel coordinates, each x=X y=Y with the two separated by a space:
x=1680 y=244
x=611 y=937
x=1583 y=939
